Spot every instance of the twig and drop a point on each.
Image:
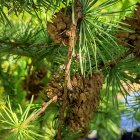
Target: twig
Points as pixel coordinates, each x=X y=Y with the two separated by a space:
x=34 y=117
x=67 y=81
x=16 y=44
x=114 y=62
x=8 y=133
x=42 y=110
x=125 y=54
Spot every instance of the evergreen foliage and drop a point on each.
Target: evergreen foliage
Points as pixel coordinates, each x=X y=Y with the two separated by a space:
x=54 y=56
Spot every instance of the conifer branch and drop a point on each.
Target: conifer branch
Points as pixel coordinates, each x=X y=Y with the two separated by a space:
x=117 y=60
x=67 y=81
x=42 y=110
x=8 y=133
x=16 y=44
x=33 y=117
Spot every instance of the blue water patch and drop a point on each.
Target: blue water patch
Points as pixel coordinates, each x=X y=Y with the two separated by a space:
x=128 y=121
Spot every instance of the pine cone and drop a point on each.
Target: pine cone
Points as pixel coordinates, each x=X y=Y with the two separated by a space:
x=55 y=87
x=60 y=28
x=132 y=40
x=83 y=101
x=33 y=82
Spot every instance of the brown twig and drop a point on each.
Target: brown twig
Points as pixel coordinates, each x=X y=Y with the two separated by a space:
x=42 y=110
x=8 y=133
x=33 y=117
x=125 y=54
x=67 y=81
x=114 y=62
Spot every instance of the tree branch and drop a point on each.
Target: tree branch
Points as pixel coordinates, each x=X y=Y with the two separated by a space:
x=42 y=110
x=117 y=60
x=8 y=133
x=67 y=80
x=34 y=117
x=16 y=44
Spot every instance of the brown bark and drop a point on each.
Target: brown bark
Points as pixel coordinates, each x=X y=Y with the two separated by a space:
x=67 y=81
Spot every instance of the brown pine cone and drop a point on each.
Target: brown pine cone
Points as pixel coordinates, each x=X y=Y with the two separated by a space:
x=83 y=101
x=131 y=40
